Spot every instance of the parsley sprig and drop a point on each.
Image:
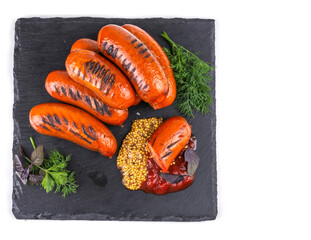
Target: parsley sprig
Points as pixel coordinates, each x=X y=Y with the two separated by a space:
x=192 y=78
x=50 y=173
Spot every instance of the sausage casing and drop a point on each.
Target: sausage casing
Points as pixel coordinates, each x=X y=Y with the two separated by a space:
x=168 y=140
x=136 y=61
x=85 y=44
x=102 y=77
x=73 y=124
x=60 y=86
x=162 y=59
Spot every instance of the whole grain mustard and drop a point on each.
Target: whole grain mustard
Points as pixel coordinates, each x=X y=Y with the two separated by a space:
x=133 y=154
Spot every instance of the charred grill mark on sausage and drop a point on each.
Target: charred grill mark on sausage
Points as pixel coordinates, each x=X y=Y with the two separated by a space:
x=110 y=83
x=74 y=124
x=72 y=95
x=135 y=40
x=104 y=46
x=92 y=132
x=78 y=135
x=172 y=144
x=92 y=64
x=96 y=68
x=143 y=51
x=154 y=141
x=148 y=55
x=65 y=120
x=50 y=118
x=56 y=89
x=57 y=120
x=166 y=155
x=87 y=134
x=110 y=49
x=114 y=54
x=88 y=100
x=127 y=67
x=101 y=72
x=63 y=90
x=50 y=123
x=86 y=64
x=41 y=125
x=97 y=105
x=79 y=94
x=138 y=45
x=105 y=109
x=106 y=76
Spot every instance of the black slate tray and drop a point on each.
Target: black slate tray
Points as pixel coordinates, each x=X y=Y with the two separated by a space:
x=41 y=46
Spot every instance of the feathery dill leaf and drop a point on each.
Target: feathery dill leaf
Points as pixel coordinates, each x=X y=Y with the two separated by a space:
x=192 y=78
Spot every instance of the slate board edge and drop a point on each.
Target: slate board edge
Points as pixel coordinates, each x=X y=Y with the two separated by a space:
x=93 y=18
x=104 y=216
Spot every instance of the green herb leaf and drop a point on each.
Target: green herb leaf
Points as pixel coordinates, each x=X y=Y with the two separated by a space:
x=56 y=166
x=59 y=167
x=48 y=183
x=192 y=78
x=70 y=186
x=59 y=177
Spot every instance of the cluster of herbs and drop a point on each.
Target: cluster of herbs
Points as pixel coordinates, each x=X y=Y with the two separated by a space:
x=50 y=173
x=192 y=78
x=192 y=159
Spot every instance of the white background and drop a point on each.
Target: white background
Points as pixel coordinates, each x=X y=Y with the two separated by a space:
x=263 y=58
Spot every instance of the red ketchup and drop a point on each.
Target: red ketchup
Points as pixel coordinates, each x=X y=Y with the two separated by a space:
x=156 y=184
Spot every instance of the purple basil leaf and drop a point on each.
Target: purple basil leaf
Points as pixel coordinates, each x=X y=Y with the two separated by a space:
x=21 y=152
x=171 y=177
x=24 y=181
x=37 y=156
x=18 y=164
x=193 y=159
x=20 y=171
x=35 y=178
x=193 y=142
x=25 y=173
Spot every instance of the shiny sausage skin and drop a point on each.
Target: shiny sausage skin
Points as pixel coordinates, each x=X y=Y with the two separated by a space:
x=162 y=59
x=60 y=86
x=168 y=140
x=73 y=124
x=102 y=77
x=135 y=60
x=137 y=99
x=85 y=44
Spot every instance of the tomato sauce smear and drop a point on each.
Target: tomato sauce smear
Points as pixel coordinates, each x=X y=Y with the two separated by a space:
x=156 y=184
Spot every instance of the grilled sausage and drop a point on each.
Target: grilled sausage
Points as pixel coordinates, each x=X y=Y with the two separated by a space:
x=137 y=99
x=85 y=44
x=60 y=86
x=73 y=124
x=102 y=77
x=158 y=52
x=135 y=60
x=168 y=140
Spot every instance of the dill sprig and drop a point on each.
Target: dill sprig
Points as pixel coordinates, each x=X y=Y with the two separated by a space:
x=192 y=78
